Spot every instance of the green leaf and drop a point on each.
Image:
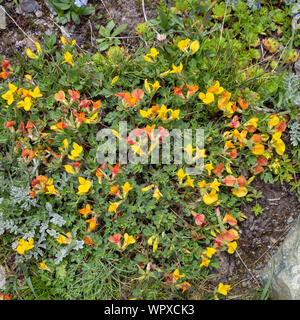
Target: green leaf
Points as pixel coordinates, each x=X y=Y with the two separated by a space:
x=119 y=29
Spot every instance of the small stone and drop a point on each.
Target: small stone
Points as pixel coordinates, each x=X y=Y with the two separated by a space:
x=286 y=277
x=39 y=13
x=297 y=67
x=29 y=5
x=2 y=278
x=290 y=220
x=2 y=18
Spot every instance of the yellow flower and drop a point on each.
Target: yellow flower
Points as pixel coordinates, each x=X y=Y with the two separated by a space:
x=114 y=206
x=30 y=54
x=36 y=93
x=126 y=188
x=174 y=114
x=155 y=244
x=151 y=57
x=240 y=192
x=68 y=58
x=258 y=149
x=215 y=184
x=210 y=252
x=207 y=98
x=156 y=85
x=223 y=288
x=200 y=153
x=181 y=175
x=84 y=186
x=75 y=153
x=62 y=240
x=208 y=167
x=177 y=275
x=24 y=246
x=69 y=169
x=231 y=247
x=128 y=239
x=63 y=40
x=9 y=97
x=211 y=197
x=176 y=69
x=189 y=182
x=202 y=184
x=274 y=120
x=43 y=266
x=26 y=104
x=157 y=194
x=12 y=87
x=205 y=262
x=114 y=80
x=194 y=46
x=38 y=48
x=216 y=89
x=278 y=143
x=183 y=44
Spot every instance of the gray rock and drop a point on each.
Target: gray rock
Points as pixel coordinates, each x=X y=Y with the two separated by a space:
x=285 y=283
x=2 y=18
x=29 y=5
x=2 y=278
x=39 y=13
x=297 y=67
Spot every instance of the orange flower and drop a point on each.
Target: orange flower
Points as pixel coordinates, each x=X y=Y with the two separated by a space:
x=218 y=169
x=191 y=90
x=230 y=219
x=230 y=180
x=86 y=211
x=243 y=104
x=89 y=241
x=27 y=155
x=60 y=96
x=75 y=95
x=92 y=223
x=116 y=238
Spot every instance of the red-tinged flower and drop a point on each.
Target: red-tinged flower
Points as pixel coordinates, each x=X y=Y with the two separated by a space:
x=9 y=124
x=199 y=219
x=116 y=238
x=75 y=95
x=191 y=90
x=76 y=165
x=8 y=296
x=30 y=125
x=178 y=92
x=256 y=138
x=141 y=265
x=243 y=104
x=85 y=104
x=235 y=122
x=230 y=180
x=80 y=117
x=96 y=105
x=218 y=169
x=241 y=181
x=32 y=194
x=115 y=170
x=27 y=155
x=139 y=93
x=5 y=64
x=114 y=190
x=262 y=161
x=89 y=241
x=230 y=219
x=258 y=169
x=61 y=125
x=92 y=223
x=233 y=154
x=281 y=126
x=60 y=96
x=121 y=95
x=22 y=127
x=4 y=74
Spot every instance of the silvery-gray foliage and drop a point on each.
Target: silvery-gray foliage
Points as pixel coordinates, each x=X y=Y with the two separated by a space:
x=55 y=217
x=295 y=133
x=74 y=245
x=19 y=195
x=232 y=3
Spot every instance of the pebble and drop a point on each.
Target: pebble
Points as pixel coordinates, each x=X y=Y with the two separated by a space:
x=290 y=220
x=39 y=13
x=2 y=18
x=29 y=5
x=2 y=278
